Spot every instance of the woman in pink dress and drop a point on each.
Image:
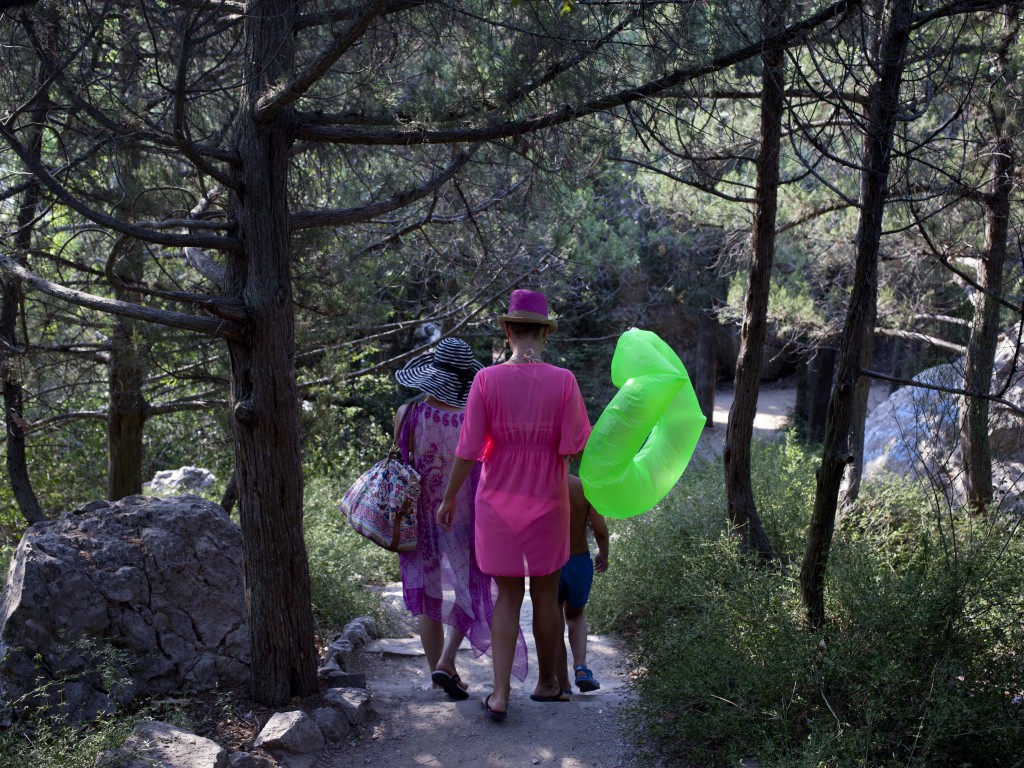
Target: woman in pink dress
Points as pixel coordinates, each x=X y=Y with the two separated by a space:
x=441 y=582
x=523 y=419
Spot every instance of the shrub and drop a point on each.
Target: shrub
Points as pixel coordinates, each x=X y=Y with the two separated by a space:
x=52 y=744
x=920 y=663
x=341 y=561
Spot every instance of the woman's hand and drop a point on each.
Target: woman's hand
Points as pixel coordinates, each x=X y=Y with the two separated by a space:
x=446 y=514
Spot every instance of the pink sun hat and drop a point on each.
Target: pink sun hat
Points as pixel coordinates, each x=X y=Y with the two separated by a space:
x=528 y=307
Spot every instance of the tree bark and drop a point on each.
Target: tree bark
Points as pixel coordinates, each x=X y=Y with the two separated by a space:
x=981 y=349
x=742 y=509
x=705 y=378
x=880 y=122
x=820 y=371
x=126 y=411
x=10 y=303
x=264 y=398
x=850 y=486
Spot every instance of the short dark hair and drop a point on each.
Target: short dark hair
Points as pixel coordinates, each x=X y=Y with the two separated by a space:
x=525 y=330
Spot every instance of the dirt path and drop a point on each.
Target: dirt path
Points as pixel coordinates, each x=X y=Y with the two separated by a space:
x=415 y=725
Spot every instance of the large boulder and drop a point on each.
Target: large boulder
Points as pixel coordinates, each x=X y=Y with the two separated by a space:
x=915 y=432
x=120 y=599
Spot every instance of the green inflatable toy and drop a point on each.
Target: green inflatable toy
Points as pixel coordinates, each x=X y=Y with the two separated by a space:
x=645 y=437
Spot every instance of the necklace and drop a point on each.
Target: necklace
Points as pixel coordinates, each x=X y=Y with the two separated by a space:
x=529 y=357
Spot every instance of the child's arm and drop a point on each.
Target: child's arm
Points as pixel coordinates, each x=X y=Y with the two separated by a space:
x=600 y=528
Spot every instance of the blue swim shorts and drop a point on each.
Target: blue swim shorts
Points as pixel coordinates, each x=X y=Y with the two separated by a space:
x=576 y=579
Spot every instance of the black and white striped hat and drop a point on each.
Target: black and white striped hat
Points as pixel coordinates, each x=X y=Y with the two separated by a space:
x=445 y=373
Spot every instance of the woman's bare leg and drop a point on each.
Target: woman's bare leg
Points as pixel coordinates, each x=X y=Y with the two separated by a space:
x=504 y=633
x=452 y=641
x=432 y=638
x=547 y=632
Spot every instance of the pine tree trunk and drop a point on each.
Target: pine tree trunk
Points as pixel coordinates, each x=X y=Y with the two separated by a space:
x=126 y=409
x=880 y=121
x=10 y=302
x=264 y=398
x=742 y=510
x=981 y=349
x=821 y=372
x=850 y=487
x=705 y=377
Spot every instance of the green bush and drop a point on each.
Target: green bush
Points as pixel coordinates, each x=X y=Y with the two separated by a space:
x=50 y=744
x=42 y=738
x=341 y=562
x=920 y=663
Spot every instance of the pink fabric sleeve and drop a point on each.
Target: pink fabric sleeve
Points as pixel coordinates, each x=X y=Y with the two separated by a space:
x=575 y=424
x=473 y=440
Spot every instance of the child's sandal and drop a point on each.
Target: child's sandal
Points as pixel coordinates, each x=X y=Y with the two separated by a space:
x=585 y=679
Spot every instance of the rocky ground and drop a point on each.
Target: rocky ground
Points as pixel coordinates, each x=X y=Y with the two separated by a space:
x=416 y=725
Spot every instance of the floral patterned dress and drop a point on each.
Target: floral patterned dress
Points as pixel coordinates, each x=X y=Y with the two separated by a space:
x=441 y=578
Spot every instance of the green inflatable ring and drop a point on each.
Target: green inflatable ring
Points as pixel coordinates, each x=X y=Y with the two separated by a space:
x=645 y=437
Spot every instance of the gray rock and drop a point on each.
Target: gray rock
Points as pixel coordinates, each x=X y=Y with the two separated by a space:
x=121 y=599
x=293 y=732
x=342 y=653
x=154 y=744
x=345 y=680
x=334 y=725
x=360 y=631
x=354 y=702
x=331 y=665
x=914 y=433
x=181 y=480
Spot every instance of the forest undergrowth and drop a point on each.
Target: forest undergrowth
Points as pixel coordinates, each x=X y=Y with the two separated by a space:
x=919 y=665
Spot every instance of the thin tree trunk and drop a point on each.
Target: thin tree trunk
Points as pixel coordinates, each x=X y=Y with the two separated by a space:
x=981 y=349
x=264 y=397
x=821 y=372
x=126 y=410
x=742 y=510
x=850 y=486
x=801 y=402
x=880 y=120
x=227 y=501
x=897 y=362
x=705 y=377
x=10 y=303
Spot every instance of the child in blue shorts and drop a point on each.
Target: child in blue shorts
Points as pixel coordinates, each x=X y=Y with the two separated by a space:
x=575 y=582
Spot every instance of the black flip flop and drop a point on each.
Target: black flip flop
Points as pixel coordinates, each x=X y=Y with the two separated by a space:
x=493 y=714
x=450 y=684
x=557 y=697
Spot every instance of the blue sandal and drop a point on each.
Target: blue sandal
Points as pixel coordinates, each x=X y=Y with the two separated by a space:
x=585 y=679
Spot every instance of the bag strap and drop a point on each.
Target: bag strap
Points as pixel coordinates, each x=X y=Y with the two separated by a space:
x=406 y=449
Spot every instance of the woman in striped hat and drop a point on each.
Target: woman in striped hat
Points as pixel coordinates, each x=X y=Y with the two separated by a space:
x=444 y=561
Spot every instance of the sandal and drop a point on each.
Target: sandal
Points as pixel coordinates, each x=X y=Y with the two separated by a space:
x=493 y=714
x=585 y=679
x=560 y=696
x=450 y=684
